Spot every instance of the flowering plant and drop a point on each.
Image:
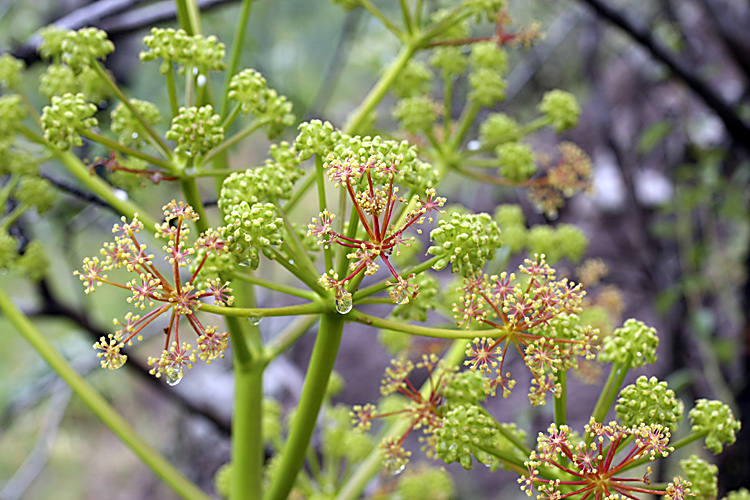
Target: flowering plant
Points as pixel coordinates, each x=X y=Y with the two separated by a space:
x=363 y=238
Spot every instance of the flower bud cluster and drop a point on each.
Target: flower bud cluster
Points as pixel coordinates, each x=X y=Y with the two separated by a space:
x=251 y=228
x=65 y=117
x=702 y=476
x=499 y=128
x=196 y=131
x=571 y=174
x=414 y=80
x=714 y=420
x=633 y=345
x=489 y=63
x=176 y=46
x=251 y=90
x=13 y=113
x=487 y=9
x=465 y=242
x=316 y=137
x=416 y=113
x=561 y=109
x=416 y=310
x=649 y=401
x=563 y=240
x=10 y=71
x=130 y=131
x=82 y=48
x=257 y=185
x=516 y=161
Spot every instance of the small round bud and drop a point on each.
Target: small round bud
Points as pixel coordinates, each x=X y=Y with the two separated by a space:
x=489 y=55
x=499 y=128
x=250 y=89
x=716 y=421
x=508 y=215
x=416 y=114
x=52 y=41
x=487 y=87
x=414 y=80
x=8 y=249
x=451 y=61
x=316 y=137
x=196 y=131
x=571 y=241
x=649 y=401
x=65 y=117
x=10 y=71
x=516 y=161
x=34 y=262
x=267 y=183
x=561 y=108
x=35 y=192
x=83 y=47
x=58 y=79
x=465 y=241
x=702 y=475
x=13 y=113
x=130 y=131
x=252 y=228
x=634 y=344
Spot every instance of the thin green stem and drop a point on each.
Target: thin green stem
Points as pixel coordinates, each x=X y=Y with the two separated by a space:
x=278 y=287
x=265 y=312
x=174 y=103
x=293 y=240
x=323 y=204
x=406 y=16
x=298 y=272
x=369 y=7
x=535 y=125
x=378 y=92
x=466 y=121
x=314 y=390
x=237 y=46
x=447 y=107
x=231 y=117
x=289 y=336
x=228 y=143
x=379 y=287
x=690 y=438
x=10 y=218
x=99 y=406
x=560 y=402
x=157 y=140
x=193 y=198
x=423 y=331
x=117 y=146
x=299 y=193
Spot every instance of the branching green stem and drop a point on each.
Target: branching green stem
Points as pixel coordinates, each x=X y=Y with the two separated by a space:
x=379 y=287
x=228 y=143
x=117 y=146
x=265 y=312
x=289 y=336
x=237 y=44
x=423 y=331
x=278 y=287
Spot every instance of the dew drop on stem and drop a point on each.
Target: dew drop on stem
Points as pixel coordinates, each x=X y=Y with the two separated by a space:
x=174 y=377
x=344 y=303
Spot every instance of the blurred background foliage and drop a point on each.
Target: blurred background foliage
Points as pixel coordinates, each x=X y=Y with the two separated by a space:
x=664 y=90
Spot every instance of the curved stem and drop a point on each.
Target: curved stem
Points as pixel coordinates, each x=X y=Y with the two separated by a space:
x=424 y=331
x=98 y=405
x=313 y=393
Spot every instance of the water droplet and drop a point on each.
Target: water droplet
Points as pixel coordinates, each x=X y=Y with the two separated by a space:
x=398 y=471
x=255 y=320
x=174 y=377
x=291 y=261
x=344 y=303
x=201 y=80
x=245 y=263
x=191 y=170
x=404 y=300
x=134 y=135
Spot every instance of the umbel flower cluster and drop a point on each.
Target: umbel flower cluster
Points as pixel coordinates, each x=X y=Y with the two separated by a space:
x=593 y=469
x=179 y=298
x=536 y=314
x=370 y=179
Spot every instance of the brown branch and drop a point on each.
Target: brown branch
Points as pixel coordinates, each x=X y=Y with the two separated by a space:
x=736 y=128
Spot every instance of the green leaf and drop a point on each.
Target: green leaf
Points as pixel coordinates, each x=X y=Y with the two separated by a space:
x=653 y=135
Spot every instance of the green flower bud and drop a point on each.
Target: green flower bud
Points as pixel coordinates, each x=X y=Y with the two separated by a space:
x=716 y=422
x=516 y=161
x=253 y=228
x=634 y=344
x=58 y=79
x=34 y=262
x=83 y=47
x=489 y=55
x=65 y=117
x=467 y=387
x=428 y=482
x=15 y=161
x=451 y=61
x=10 y=71
x=499 y=128
x=561 y=108
x=464 y=241
x=418 y=175
x=130 y=131
x=466 y=432
x=176 y=46
x=268 y=183
x=540 y=239
x=414 y=80
x=340 y=440
x=196 y=131
x=285 y=155
x=741 y=494
x=571 y=241
x=217 y=264
x=316 y=137
x=272 y=428
x=514 y=238
x=484 y=8
x=508 y=215
x=51 y=46
x=92 y=86
x=649 y=401
x=487 y=87
x=703 y=475
x=416 y=114
x=416 y=309
x=35 y=192
x=13 y=112
x=8 y=250
x=250 y=89
x=223 y=480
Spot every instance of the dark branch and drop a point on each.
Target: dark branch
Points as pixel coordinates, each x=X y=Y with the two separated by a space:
x=736 y=128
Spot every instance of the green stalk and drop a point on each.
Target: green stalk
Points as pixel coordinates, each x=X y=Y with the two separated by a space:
x=264 y=312
x=313 y=393
x=467 y=120
x=379 y=287
x=156 y=139
x=99 y=406
x=609 y=392
x=237 y=45
x=370 y=466
x=322 y=204
x=110 y=144
x=424 y=331
x=535 y=125
x=560 y=403
x=174 y=103
x=378 y=92
x=247 y=433
x=369 y=7
x=447 y=107
x=101 y=188
x=289 y=336
x=406 y=15
x=228 y=143
x=193 y=198
x=277 y=287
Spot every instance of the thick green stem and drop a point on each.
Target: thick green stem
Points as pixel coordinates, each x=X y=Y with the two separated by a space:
x=609 y=392
x=98 y=405
x=378 y=92
x=313 y=393
x=278 y=287
x=247 y=433
x=560 y=409
x=193 y=197
x=174 y=104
